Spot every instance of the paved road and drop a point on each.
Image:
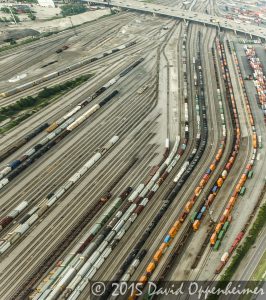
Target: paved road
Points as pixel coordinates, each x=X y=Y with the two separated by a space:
x=251 y=262
x=254 y=256
x=188 y=15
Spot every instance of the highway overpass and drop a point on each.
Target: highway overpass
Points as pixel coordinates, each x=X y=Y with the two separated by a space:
x=192 y=16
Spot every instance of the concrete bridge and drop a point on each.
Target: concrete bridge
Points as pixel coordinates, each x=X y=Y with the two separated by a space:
x=191 y=16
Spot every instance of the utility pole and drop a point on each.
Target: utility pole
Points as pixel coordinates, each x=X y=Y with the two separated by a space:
x=108 y=2
x=73 y=26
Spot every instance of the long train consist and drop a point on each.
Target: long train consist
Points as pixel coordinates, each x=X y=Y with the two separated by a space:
x=87 y=215
x=224 y=221
x=240 y=185
x=198 y=216
x=217 y=233
x=103 y=245
x=63 y=119
x=59 y=129
x=201 y=141
x=15 y=146
x=37 y=211
x=225 y=257
x=93 y=251
x=10 y=216
x=49 y=141
x=63 y=71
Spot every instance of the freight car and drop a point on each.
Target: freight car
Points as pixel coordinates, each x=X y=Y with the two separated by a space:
x=62 y=71
x=37 y=211
x=193 y=161
x=115 y=228
x=17 y=166
x=239 y=189
x=127 y=70
x=65 y=47
x=14 y=147
x=96 y=256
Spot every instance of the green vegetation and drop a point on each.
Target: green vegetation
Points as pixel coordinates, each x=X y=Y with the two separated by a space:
x=27 y=106
x=72 y=9
x=257 y=277
x=27 y=41
x=241 y=252
x=4 y=20
x=27 y=1
x=260 y=270
x=249 y=241
x=32 y=16
x=7 y=10
x=16 y=18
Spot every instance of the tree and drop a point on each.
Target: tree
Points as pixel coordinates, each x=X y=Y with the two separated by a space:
x=72 y=9
x=32 y=16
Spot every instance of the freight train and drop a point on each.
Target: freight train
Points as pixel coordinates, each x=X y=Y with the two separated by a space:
x=14 y=147
x=63 y=71
x=37 y=211
x=220 y=229
x=119 y=224
x=58 y=129
x=178 y=182
x=198 y=215
x=101 y=247
x=17 y=166
x=96 y=250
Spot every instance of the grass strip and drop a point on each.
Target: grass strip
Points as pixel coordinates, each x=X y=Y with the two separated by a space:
x=242 y=251
x=27 y=106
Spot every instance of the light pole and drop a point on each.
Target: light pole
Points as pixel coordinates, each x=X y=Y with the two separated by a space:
x=73 y=26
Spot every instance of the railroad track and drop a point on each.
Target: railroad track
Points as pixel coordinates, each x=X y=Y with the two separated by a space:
x=135 y=115
x=117 y=166
x=35 y=57
x=79 y=92
x=148 y=244
x=145 y=107
x=120 y=254
x=116 y=123
x=186 y=234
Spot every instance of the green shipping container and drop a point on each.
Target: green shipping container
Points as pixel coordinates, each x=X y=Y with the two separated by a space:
x=217 y=245
x=250 y=174
x=226 y=225
x=221 y=234
x=193 y=217
x=242 y=191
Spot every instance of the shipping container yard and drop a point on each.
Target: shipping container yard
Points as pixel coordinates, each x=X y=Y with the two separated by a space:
x=133 y=151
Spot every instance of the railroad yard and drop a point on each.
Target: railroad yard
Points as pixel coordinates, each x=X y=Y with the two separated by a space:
x=132 y=150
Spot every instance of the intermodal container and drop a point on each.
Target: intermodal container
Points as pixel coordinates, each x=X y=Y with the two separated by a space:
x=250 y=174
x=242 y=191
x=213 y=239
x=226 y=225
x=221 y=235
x=217 y=245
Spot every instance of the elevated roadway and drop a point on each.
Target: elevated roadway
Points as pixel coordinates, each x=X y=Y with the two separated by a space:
x=192 y=16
